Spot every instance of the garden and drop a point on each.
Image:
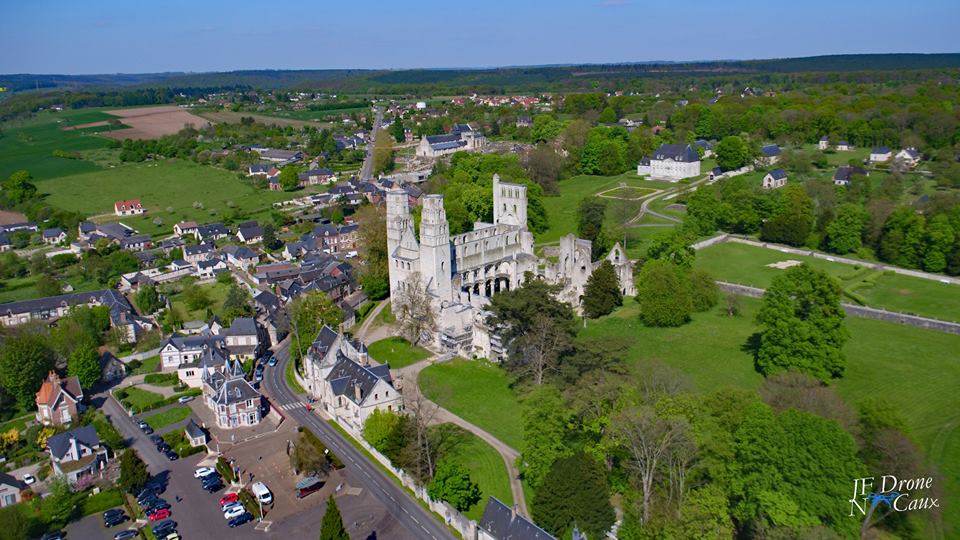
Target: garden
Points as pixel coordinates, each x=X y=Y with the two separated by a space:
x=397 y=352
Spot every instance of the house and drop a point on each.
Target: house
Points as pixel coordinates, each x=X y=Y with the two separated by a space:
x=137 y=242
x=185 y=227
x=879 y=154
x=715 y=173
x=844 y=175
x=348 y=387
x=263 y=169
x=210 y=268
x=200 y=252
x=212 y=231
x=241 y=256
x=463 y=137
x=524 y=122
x=671 y=162
x=4 y=244
x=705 y=146
x=316 y=176
x=501 y=522
x=234 y=402
x=823 y=143
x=244 y=339
x=111 y=368
x=769 y=154
x=908 y=157
x=281 y=156
x=54 y=236
x=843 y=146
x=177 y=350
x=58 y=400
x=195 y=434
x=774 y=179
x=77 y=453
x=135 y=280
x=122 y=314
x=10 y=489
x=250 y=233
x=128 y=208
x=177 y=265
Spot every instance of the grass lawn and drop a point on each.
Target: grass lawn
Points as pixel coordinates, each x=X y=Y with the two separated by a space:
x=292 y=379
x=486 y=468
x=217 y=292
x=397 y=352
x=141 y=398
x=20 y=423
x=478 y=392
x=915 y=370
x=148 y=365
x=29 y=144
x=745 y=264
x=161 y=185
x=562 y=209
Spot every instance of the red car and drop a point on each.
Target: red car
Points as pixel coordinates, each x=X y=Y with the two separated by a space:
x=229 y=498
x=157 y=515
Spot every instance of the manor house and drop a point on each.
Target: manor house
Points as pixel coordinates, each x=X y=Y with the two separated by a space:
x=462 y=272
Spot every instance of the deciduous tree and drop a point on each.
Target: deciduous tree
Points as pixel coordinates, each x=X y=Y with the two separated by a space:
x=84 y=363
x=545 y=426
x=133 y=471
x=602 y=294
x=414 y=310
x=25 y=359
x=452 y=483
x=663 y=295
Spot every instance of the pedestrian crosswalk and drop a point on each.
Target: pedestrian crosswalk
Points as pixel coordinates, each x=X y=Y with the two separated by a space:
x=291 y=406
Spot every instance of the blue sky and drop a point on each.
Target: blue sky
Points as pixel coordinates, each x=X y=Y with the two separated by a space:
x=137 y=36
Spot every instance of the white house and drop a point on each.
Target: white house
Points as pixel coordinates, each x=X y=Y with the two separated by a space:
x=77 y=453
x=128 y=208
x=880 y=154
x=54 y=236
x=844 y=146
x=177 y=349
x=769 y=154
x=909 y=157
x=823 y=143
x=671 y=162
x=774 y=179
x=461 y=137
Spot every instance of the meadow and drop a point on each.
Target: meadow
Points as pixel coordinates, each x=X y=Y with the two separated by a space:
x=30 y=144
x=397 y=352
x=747 y=265
x=486 y=468
x=169 y=190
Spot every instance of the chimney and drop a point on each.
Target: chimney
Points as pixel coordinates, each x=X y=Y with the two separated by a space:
x=357 y=392
x=514 y=511
x=363 y=357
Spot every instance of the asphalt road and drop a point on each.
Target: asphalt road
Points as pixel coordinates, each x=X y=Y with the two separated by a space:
x=406 y=510
x=366 y=172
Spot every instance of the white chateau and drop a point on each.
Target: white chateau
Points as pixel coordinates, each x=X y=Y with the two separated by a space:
x=463 y=137
x=671 y=162
x=461 y=272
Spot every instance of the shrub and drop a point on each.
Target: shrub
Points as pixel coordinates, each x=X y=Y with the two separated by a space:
x=132 y=365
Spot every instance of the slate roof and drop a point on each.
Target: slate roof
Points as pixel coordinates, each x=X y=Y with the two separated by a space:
x=190 y=343
x=194 y=431
x=778 y=174
x=198 y=249
x=60 y=443
x=846 y=173
x=240 y=252
x=105 y=296
x=348 y=374
x=677 y=152
x=445 y=138
x=280 y=154
x=252 y=231
x=880 y=150
x=260 y=168
x=242 y=326
x=235 y=391
x=212 y=229
x=52 y=233
x=770 y=150
x=8 y=480
x=502 y=523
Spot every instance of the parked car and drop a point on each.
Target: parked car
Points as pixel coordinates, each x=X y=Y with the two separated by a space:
x=156 y=439
x=158 y=514
x=173 y=536
x=164 y=527
x=171 y=455
x=308 y=485
x=29 y=479
x=126 y=535
x=258 y=376
x=273 y=361
x=213 y=487
x=157 y=505
x=185 y=399
x=113 y=517
x=229 y=498
x=146 y=429
x=234 y=512
x=163 y=447
x=56 y=535
x=230 y=506
x=262 y=493
x=200 y=472
x=240 y=520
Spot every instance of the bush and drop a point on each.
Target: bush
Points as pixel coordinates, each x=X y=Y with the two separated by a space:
x=121 y=394
x=132 y=365
x=315 y=442
x=223 y=467
x=161 y=379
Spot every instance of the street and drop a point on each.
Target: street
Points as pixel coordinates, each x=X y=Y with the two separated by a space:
x=366 y=173
x=367 y=475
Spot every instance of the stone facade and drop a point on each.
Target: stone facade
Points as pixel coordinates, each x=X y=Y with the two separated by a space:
x=461 y=272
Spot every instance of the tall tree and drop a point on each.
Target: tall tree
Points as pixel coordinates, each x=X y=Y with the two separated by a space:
x=843 y=234
x=19 y=187
x=413 y=308
x=802 y=325
x=84 y=363
x=663 y=295
x=732 y=153
x=133 y=471
x=148 y=300
x=451 y=482
x=25 y=359
x=538 y=351
x=574 y=493
x=590 y=214
x=792 y=220
x=331 y=528
x=544 y=165
x=545 y=427
x=382 y=153
x=704 y=293
x=374 y=275
x=289 y=179
x=396 y=129
x=602 y=294
x=236 y=304
x=307 y=315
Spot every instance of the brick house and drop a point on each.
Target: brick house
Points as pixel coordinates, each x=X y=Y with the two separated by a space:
x=58 y=400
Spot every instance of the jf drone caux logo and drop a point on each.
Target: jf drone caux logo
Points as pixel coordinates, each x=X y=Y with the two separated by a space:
x=896 y=493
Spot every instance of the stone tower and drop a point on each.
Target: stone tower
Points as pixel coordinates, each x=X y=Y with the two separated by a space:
x=435 y=248
x=399 y=224
x=509 y=203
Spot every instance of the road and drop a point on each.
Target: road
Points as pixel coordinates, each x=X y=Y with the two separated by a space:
x=368 y=475
x=366 y=173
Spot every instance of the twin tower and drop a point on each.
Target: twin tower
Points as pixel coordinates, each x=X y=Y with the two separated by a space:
x=436 y=256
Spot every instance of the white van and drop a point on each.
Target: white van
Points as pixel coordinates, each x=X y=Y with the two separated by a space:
x=262 y=493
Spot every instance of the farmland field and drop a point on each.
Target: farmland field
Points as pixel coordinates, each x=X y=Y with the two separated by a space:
x=234 y=117
x=747 y=265
x=153 y=122
x=160 y=185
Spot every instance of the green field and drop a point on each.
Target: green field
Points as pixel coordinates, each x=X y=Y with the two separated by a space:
x=142 y=399
x=317 y=116
x=167 y=417
x=397 y=352
x=217 y=292
x=562 y=209
x=148 y=365
x=29 y=144
x=486 y=468
x=478 y=392
x=746 y=264
x=161 y=185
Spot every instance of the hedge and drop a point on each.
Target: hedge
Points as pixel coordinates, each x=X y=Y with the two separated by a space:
x=225 y=470
x=161 y=379
x=322 y=448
